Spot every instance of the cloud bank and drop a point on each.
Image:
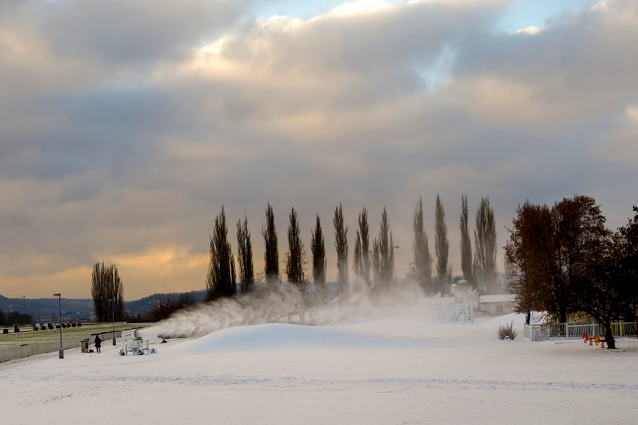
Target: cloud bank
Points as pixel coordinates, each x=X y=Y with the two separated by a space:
x=125 y=126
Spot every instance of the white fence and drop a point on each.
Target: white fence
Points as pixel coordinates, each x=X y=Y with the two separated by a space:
x=545 y=331
x=538 y=332
x=14 y=353
x=626 y=329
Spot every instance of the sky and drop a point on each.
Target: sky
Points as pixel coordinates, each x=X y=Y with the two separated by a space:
x=126 y=126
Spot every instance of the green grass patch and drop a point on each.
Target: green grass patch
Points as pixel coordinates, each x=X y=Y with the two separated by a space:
x=37 y=337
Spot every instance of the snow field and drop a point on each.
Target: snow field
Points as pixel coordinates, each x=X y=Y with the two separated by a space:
x=398 y=367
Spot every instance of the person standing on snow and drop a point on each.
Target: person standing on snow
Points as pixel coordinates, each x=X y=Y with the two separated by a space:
x=98 y=343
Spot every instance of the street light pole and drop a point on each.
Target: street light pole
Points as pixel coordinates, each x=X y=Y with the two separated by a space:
x=61 y=354
x=113 y=317
x=24 y=304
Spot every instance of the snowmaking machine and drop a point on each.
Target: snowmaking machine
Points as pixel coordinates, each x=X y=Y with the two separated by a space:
x=135 y=344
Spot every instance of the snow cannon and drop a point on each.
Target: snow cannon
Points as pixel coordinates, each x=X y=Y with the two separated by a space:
x=135 y=344
x=131 y=335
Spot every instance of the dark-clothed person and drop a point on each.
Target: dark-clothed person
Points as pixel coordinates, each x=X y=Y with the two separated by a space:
x=98 y=343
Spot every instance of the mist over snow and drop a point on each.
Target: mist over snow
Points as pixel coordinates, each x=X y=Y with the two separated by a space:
x=270 y=304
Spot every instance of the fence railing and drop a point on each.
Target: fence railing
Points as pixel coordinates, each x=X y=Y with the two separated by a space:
x=537 y=332
x=624 y=329
x=30 y=333
x=544 y=331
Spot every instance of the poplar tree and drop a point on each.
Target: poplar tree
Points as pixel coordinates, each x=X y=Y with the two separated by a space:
x=341 y=245
x=485 y=247
x=245 y=256
x=221 y=278
x=357 y=264
x=106 y=285
x=441 y=246
x=318 y=249
x=364 y=233
x=296 y=256
x=466 y=244
x=376 y=264
x=271 y=252
x=421 y=266
x=383 y=254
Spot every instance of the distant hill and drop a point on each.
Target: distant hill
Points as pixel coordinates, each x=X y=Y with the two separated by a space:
x=48 y=307
x=45 y=307
x=150 y=302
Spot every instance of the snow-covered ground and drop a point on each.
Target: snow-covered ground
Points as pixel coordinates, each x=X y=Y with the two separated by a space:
x=397 y=367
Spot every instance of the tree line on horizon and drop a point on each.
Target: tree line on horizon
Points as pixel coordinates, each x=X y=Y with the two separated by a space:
x=372 y=261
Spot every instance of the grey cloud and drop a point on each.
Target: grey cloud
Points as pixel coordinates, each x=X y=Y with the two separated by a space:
x=329 y=110
x=121 y=32
x=587 y=61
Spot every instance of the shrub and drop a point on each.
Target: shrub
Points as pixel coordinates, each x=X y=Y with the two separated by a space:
x=506 y=331
x=463 y=308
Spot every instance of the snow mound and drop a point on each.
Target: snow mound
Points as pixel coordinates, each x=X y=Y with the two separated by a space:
x=279 y=335
x=518 y=319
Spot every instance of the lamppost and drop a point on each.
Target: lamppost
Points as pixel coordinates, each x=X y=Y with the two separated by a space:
x=24 y=305
x=60 y=307
x=113 y=316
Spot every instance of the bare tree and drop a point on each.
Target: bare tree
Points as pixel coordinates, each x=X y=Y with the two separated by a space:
x=608 y=288
x=485 y=247
x=271 y=253
x=555 y=253
x=564 y=261
x=106 y=286
x=341 y=244
x=99 y=291
x=421 y=266
x=117 y=293
x=186 y=298
x=296 y=255
x=318 y=248
x=357 y=264
x=245 y=256
x=383 y=254
x=221 y=279
x=376 y=264
x=364 y=233
x=466 y=244
x=442 y=247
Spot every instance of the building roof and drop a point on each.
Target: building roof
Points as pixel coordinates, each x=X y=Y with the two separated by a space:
x=496 y=298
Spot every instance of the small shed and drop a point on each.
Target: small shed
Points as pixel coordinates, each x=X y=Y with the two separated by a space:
x=496 y=305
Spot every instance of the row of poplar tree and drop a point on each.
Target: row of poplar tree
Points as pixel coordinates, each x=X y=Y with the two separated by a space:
x=372 y=263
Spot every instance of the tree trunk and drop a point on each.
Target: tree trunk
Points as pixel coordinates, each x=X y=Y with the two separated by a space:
x=528 y=317
x=562 y=314
x=609 y=336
